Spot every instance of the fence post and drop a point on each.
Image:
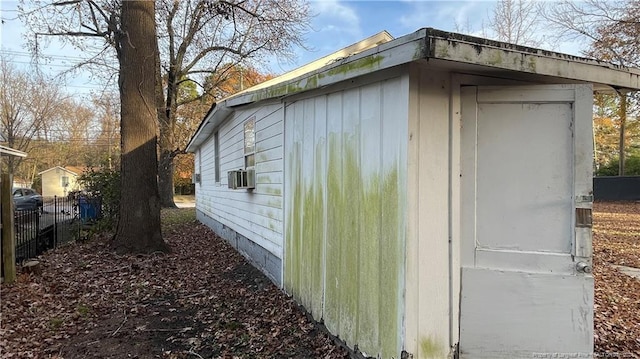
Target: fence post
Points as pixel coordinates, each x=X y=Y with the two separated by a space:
x=8 y=229
x=55 y=221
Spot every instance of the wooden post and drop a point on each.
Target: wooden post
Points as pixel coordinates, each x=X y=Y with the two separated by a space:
x=8 y=229
x=622 y=114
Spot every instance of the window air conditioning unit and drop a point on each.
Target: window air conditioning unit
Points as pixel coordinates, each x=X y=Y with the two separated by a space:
x=241 y=179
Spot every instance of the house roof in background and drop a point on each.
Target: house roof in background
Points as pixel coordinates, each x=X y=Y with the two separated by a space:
x=74 y=170
x=440 y=49
x=77 y=169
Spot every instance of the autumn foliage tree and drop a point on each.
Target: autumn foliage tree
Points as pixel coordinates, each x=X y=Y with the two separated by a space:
x=231 y=79
x=612 y=31
x=197 y=38
x=206 y=38
x=619 y=42
x=606 y=127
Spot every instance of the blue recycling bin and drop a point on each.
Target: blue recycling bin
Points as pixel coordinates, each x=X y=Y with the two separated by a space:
x=89 y=208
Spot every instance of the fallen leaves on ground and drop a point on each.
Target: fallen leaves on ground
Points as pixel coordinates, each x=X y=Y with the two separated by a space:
x=203 y=300
x=616 y=241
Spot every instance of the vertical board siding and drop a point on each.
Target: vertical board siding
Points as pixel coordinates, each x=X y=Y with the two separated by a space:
x=345 y=181
x=428 y=294
x=370 y=223
x=258 y=214
x=334 y=190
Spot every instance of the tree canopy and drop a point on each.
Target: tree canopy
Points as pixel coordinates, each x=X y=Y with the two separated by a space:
x=196 y=38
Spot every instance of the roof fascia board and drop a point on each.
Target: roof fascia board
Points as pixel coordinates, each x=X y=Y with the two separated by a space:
x=399 y=51
x=363 y=45
x=477 y=51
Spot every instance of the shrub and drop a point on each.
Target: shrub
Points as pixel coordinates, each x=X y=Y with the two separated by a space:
x=631 y=167
x=104 y=184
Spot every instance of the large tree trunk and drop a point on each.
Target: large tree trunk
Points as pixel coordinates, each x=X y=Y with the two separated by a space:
x=138 y=227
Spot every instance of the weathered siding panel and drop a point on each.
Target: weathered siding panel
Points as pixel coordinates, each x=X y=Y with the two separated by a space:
x=257 y=214
x=428 y=271
x=345 y=211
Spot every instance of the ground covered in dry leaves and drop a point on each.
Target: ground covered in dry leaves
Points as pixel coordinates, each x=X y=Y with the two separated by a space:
x=201 y=301
x=204 y=300
x=617 y=296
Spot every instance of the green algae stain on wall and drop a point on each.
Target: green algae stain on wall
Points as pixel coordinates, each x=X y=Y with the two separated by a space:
x=357 y=234
x=429 y=348
x=366 y=63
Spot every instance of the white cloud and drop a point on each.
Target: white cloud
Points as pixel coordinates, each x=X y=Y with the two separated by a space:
x=445 y=15
x=336 y=16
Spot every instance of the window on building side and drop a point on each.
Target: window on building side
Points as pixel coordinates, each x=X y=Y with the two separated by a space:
x=250 y=143
x=216 y=144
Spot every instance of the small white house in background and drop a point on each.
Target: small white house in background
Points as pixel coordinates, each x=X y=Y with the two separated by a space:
x=425 y=197
x=59 y=181
x=21 y=182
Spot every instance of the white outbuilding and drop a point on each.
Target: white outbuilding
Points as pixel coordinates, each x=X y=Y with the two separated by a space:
x=425 y=197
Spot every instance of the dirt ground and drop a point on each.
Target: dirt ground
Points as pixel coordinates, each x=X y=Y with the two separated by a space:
x=205 y=301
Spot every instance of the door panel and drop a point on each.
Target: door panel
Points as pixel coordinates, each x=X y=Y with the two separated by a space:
x=521 y=294
x=509 y=314
x=524 y=183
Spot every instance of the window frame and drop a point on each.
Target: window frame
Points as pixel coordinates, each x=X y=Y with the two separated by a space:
x=216 y=156
x=249 y=149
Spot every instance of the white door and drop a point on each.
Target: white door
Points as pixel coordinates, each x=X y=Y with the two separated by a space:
x=526 y=196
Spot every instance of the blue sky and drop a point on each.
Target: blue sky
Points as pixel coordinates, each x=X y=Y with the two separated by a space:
x=340 y=23
x=336 y=24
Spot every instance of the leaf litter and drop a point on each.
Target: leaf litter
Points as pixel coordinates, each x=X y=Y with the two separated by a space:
x=616 y=241
x=204 y=300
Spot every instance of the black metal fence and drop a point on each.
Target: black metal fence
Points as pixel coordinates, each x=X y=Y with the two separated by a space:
x=59 y=220
x=616 y=188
